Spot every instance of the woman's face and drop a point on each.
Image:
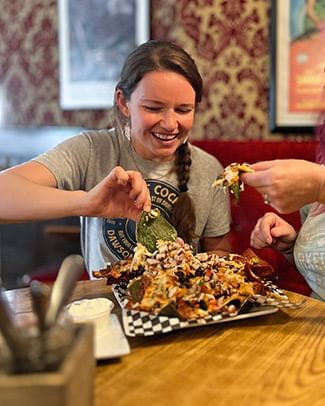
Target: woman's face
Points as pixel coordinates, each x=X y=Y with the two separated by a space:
x=161 y=111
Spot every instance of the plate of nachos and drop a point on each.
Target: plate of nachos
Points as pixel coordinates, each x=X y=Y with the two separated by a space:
x=172 y=288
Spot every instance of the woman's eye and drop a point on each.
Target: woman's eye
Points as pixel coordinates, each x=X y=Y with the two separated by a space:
x=151 y=108
x=180 y=110
x=184 y=111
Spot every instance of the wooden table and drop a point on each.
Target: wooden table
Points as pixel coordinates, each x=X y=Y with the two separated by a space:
x=277 y=359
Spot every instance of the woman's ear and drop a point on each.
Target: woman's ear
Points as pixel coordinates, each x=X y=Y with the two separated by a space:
x=121 y=102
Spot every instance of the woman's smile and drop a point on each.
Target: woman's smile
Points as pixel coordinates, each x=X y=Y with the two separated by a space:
x=165 y=136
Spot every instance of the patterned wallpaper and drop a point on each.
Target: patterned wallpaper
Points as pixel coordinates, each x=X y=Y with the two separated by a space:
x=228 y=39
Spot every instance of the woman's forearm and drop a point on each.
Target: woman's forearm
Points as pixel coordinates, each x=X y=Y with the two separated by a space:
x=29 y=193
x=22 y=200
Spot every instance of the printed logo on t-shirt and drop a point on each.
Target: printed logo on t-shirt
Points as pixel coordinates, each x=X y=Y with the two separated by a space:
x=119 y=234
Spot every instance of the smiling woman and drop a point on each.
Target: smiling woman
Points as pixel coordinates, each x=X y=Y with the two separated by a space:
x=158 y=118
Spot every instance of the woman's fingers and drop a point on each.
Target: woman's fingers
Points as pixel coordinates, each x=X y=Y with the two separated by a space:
x=119 y=175
x=262 y=235
x=136 y=187
x=139 y=192
x=121 y=194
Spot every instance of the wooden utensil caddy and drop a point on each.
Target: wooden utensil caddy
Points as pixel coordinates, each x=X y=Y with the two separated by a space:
x=72 y=384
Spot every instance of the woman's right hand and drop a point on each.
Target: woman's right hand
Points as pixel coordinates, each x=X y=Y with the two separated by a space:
x=272 y=231
x=120 y=194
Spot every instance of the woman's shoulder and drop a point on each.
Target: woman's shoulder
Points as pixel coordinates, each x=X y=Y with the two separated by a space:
x=91 y=137
x=105 y=135
x=100 y=140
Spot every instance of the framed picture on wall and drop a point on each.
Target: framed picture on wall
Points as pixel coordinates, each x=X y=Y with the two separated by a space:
x=297 y=65
x=95 y=37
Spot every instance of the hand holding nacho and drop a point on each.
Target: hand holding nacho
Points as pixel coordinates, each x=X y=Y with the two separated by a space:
x=231 y=178
x=289 y=184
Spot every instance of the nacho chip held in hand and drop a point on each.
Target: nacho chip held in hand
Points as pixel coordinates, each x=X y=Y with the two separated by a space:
x=231 y=178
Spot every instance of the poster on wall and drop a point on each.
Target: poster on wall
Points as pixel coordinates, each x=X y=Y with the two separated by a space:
x=298 y=64
x=95 y=37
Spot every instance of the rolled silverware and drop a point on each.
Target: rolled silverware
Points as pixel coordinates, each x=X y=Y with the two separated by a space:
x=70 y=271
x=40 y=293
x=42 y=349
x=11 y=332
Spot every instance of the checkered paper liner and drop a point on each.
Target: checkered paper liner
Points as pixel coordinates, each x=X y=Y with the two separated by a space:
x=280 y=299
x=137 y=323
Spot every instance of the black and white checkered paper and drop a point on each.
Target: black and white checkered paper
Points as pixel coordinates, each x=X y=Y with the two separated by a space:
x=137 y=323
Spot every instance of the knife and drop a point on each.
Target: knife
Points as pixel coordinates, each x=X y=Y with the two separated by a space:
x=70 y=271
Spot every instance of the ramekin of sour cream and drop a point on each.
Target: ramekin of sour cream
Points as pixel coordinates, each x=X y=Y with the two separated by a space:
x=96 y=311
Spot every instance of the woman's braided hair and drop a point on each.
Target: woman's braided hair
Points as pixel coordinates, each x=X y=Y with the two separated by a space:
x=161 y=55
x=183 y=215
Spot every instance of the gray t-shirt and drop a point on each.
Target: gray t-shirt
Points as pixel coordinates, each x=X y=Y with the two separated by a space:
x=81 y=162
